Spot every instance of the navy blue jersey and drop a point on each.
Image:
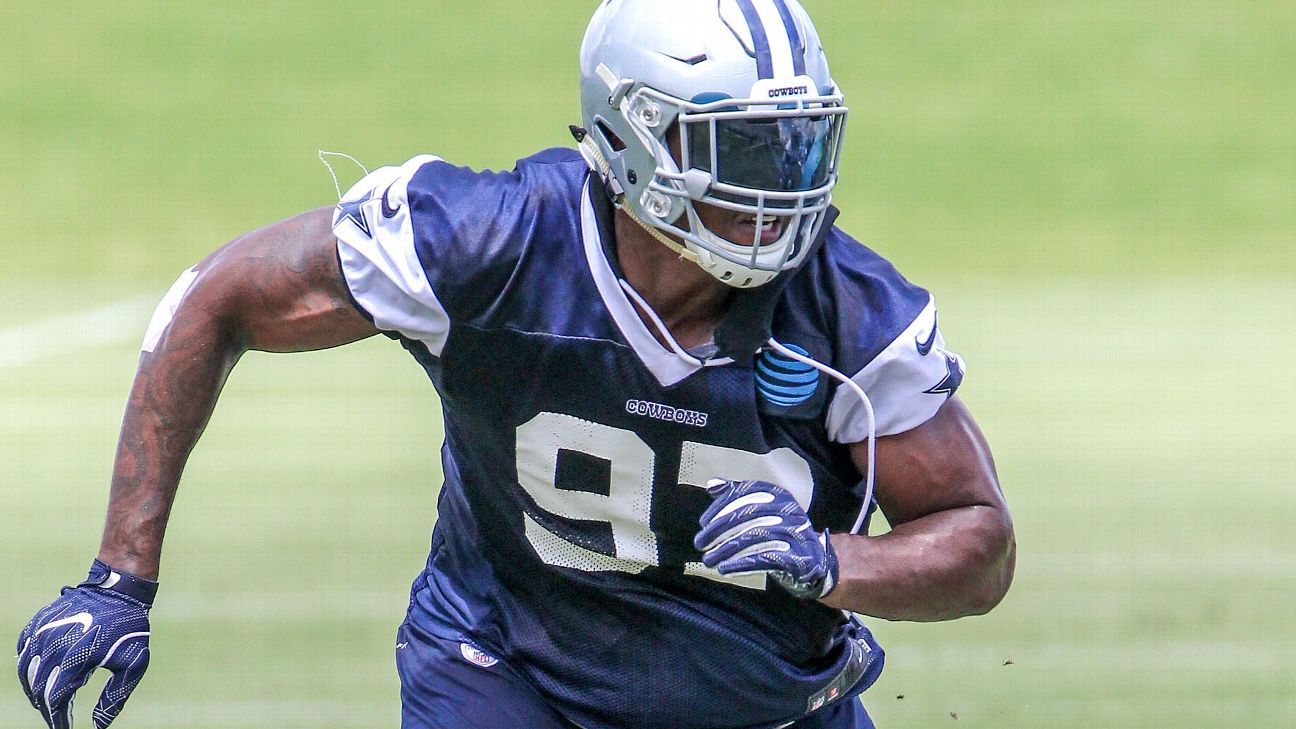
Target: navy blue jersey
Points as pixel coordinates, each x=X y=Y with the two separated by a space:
x=577 y=448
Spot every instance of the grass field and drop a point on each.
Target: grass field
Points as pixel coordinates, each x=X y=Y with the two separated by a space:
x=1100 y=194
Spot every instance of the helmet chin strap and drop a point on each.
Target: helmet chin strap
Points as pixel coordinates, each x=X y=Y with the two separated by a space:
x=594 y=157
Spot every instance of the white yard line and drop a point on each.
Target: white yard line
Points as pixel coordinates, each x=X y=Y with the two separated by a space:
x=102 y=326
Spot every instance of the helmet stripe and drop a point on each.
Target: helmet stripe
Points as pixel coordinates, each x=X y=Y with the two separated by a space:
x=794 y=35
x=764 y=59
x=781 y=45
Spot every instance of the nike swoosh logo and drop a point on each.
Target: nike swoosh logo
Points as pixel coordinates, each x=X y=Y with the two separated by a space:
x=925 y=347
x=85 y=620
x=387 y=210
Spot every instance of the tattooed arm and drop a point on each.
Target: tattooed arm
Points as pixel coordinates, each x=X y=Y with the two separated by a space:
x=276 y=290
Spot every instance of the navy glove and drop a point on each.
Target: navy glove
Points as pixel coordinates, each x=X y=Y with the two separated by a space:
x=754 y=526
x=101 y=623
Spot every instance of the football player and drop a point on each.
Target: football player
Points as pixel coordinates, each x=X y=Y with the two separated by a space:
x=662 y=519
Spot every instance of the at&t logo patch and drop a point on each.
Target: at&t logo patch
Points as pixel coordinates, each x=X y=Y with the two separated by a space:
x=784 y=381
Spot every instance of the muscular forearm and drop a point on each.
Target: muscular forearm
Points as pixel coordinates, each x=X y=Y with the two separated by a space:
x=939 y=567
x=171 y=400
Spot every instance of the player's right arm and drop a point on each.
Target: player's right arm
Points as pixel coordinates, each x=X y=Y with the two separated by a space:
x=312 y=282
x=278 y=289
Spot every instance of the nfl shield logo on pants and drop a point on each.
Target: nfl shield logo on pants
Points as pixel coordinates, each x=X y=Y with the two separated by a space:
x=476 y=656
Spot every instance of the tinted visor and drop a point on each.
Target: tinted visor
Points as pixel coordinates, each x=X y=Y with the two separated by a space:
x=788 y=154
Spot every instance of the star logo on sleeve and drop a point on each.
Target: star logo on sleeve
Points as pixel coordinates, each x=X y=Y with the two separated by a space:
x=953 y=377
x=353 y=210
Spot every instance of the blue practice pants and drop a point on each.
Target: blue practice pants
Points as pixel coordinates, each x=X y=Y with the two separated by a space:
x=442 y=687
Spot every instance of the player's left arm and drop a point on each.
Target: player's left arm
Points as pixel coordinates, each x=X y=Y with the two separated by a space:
x=951 y=549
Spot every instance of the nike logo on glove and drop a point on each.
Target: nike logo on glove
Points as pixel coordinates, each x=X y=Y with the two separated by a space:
x=84 y=619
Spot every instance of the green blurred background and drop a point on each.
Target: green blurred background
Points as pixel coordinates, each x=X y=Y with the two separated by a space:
x=1101 y=195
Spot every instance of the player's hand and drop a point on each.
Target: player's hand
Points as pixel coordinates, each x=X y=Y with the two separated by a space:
x=754 y=526
x=101 y=623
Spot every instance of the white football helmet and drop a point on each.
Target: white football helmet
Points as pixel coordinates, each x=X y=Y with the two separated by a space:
x=759 y=121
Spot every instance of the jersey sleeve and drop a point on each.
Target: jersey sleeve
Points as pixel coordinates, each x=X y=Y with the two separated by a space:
x=428 y=244
x=379 y=259
x=906 y=382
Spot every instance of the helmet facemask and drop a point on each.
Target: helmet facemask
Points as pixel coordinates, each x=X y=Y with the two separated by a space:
x=775 y=161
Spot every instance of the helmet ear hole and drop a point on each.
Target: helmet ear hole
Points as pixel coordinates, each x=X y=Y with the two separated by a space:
x=609 y=137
